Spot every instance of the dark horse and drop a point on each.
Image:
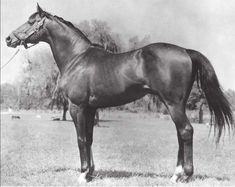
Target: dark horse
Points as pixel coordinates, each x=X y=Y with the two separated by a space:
x=93 y=78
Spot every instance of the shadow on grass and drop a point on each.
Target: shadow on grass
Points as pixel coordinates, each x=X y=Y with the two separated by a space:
x=204 y=177
x=54 y=169
x=71 y=121
x=126 y=174
x=100 y=121
x=108 y=120
x=101 y=174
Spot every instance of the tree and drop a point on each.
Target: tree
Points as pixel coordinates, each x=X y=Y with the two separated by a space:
x=231 y=97
x=99 y=32
x=196 y=100
x=9 y=96
x=135 y=42
x=38 y=78
x=59 y=99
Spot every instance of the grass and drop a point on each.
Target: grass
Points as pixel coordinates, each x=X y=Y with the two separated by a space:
x=129 y=150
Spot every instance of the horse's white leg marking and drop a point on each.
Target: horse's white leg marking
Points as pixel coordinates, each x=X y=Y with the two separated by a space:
x=82 y=178
x=178 y=173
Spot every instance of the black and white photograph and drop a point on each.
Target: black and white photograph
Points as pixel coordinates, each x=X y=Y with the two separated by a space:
x=117 y=93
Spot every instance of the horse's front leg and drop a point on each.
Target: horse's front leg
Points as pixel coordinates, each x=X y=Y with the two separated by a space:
x=83 y=118
x=90 y=122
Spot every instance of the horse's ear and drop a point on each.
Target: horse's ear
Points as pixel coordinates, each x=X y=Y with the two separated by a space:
x=39 y=10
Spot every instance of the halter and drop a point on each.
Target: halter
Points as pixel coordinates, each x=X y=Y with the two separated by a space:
x=34 y=30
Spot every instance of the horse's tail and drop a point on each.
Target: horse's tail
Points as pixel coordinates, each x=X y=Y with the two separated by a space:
x=218 y=104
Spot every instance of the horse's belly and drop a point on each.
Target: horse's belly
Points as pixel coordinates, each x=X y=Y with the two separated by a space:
x=115 y=99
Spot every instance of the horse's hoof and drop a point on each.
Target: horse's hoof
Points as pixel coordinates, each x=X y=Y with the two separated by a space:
x=174 y=179
x=185 y=178
x=178 y=173
x=82 y=178
x=182 y=178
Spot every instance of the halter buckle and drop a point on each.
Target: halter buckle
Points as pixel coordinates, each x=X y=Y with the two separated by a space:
x=35 y=29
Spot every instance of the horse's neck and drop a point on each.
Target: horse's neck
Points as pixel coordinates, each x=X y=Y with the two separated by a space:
x=65 y=44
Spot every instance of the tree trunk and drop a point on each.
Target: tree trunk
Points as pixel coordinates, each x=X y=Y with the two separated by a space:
x=65 y=109
x=97 y=119
x=201 y=113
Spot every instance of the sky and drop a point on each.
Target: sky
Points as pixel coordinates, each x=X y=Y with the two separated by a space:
x=204 y=25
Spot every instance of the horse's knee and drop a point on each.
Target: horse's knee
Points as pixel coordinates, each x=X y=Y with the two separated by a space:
x=187 y=133
x=82 y=143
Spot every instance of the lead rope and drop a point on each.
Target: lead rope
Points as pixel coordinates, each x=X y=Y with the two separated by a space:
x=10 y=59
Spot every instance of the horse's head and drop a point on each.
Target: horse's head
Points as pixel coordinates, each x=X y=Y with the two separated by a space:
x=32 y=31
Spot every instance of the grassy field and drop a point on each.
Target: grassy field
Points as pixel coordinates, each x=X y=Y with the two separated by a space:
x=129 y=150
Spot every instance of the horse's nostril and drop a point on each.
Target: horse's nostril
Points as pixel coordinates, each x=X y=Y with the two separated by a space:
x=8 y=39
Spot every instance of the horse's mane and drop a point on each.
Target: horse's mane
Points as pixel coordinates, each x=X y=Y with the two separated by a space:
x=68 y=23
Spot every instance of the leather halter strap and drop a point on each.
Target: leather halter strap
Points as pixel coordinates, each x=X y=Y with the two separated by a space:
x=34 y=30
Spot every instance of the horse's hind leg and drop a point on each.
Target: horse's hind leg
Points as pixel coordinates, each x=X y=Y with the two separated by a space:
x=184 y=168
x=83 y=117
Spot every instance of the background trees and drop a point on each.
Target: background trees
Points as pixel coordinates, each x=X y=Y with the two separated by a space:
x=231 y=97
x=36 y=82
x=9 y=96
x=100 y=33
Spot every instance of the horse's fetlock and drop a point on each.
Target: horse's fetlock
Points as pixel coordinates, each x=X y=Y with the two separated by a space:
x=84 y=168
x=188 y=170
x=91 y=169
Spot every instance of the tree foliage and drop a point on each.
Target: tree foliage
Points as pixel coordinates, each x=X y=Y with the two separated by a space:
x=196 y=98
x=100 y=33
x=37 y=80
x=231 y=97
x=9 y=96
x=135 y=42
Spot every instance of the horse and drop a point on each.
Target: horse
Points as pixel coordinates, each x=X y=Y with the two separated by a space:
x=92 y=78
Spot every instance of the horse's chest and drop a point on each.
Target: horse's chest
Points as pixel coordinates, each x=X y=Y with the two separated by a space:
x=75 y=88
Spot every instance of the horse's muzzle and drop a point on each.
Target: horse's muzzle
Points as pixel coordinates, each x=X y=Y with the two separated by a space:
x=12 y=41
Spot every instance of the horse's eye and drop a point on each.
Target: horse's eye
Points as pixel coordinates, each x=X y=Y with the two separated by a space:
x=30 y=22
